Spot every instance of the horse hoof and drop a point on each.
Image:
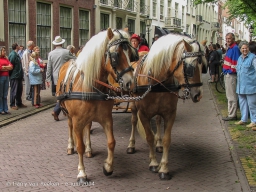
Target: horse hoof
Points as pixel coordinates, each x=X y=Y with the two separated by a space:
x=70 y=151
x=106 y=173
x=153 y=169
x=164 y=176
x=82 y=181
x=159 y=149
x=130 y=150
x=88 y=154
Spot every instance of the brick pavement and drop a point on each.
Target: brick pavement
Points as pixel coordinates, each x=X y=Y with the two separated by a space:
x=33 y=152
x=47 y=101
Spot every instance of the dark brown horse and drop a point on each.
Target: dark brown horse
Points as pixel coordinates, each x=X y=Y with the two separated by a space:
x=85 y=100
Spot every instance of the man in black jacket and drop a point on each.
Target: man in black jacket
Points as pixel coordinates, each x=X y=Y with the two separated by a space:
x=16 y=79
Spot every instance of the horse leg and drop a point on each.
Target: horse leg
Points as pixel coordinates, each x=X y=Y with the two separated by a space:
x=70 y=149
x=108 y=163
x=131 y=147
x=81 y=177
x=163 y=167
x=153 y=165
x=88 y=149
x=159 y=145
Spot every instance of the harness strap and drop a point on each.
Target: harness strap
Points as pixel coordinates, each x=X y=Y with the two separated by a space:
x=82 y=96
x=116 y=89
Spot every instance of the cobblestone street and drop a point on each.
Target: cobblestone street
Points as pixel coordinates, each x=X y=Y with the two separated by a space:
x=33 y=155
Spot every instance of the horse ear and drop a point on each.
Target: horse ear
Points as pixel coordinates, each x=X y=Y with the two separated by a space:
x=110 y=33
x=188 y=48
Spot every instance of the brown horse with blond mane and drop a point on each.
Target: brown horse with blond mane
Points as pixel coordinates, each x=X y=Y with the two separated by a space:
x=174 y=62
x=83 y=95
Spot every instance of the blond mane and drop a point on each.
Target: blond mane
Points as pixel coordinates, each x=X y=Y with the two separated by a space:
x=89 y=61
x=161 y=53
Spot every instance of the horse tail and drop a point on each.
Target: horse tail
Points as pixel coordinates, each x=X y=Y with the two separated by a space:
x=140 y=129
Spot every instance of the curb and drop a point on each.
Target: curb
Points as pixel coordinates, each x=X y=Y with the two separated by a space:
x=26 y=114
x=233 y=153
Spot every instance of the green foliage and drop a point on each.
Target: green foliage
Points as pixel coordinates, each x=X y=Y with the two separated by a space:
x=244 y=9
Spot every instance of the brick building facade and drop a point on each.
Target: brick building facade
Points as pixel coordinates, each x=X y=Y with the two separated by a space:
x=57 y=21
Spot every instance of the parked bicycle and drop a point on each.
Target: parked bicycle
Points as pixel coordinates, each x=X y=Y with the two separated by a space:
x=220 y=84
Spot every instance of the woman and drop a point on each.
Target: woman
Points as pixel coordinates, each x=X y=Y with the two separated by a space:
x=214 y=63
x=135 y=41
x=5 y=67
x=246 y=86
x=35 y=78
x=42 y=65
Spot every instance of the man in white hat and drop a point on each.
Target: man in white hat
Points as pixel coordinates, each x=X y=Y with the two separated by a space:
x=56 y=59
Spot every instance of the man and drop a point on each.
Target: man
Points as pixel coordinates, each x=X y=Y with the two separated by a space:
x=135 y=42
x=156 y=37
x=56 y=59
x=229 y=70
x=25 y=63
x=21 y=51
x=16 y=79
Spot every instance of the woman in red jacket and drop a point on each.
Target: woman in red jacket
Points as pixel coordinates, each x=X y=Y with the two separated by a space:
x=5 y=67
x=135 y=41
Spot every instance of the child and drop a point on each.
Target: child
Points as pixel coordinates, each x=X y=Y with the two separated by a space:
x=35 y=78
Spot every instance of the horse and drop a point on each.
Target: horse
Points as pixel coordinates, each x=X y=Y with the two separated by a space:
x=83 y=92
x=174 y=62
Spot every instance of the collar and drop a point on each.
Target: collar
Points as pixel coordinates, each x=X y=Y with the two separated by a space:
x=231 y=46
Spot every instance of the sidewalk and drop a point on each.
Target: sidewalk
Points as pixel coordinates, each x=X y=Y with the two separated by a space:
x=48 y=101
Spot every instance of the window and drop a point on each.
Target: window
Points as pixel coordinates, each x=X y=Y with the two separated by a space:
x=83 y=27
x=131 y=26
x=182 y=16
x=142 y=27
x=17 y=22
x=130 y=5
x=43 y=21
x=118 y=3
x=176 y=9
x=104 y=21
x=154 y=8
x=119 y=23
x=65 y=25
x=169 y=9
x=142 y=7
x=161 y=9
x=104 y=2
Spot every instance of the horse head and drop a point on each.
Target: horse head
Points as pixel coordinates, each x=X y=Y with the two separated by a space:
x=191 y=64
x=120 y=54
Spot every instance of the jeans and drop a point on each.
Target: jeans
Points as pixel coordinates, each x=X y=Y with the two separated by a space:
x=247 y=103
x=4 y=86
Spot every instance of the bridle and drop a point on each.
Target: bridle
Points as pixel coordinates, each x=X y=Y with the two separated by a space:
x=114 y=56
x=189 y=69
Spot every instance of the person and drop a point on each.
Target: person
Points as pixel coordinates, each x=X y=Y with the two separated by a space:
x=21 y=51
x=214 y=63
x=56 y=59
x=5 y=67
x=80 y=50
x=35 y=78
x=156 y=37
x=72 y=49
x=219 y=50
x=135 y=41
x=246 y=86
x=143 y=40
x=230 y=77
x=252 y=47
x=206 y=52
x=25 y=64
x=16 y=79
x=42 y=66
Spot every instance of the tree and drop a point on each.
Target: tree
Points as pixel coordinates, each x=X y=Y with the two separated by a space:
x=244 y=9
